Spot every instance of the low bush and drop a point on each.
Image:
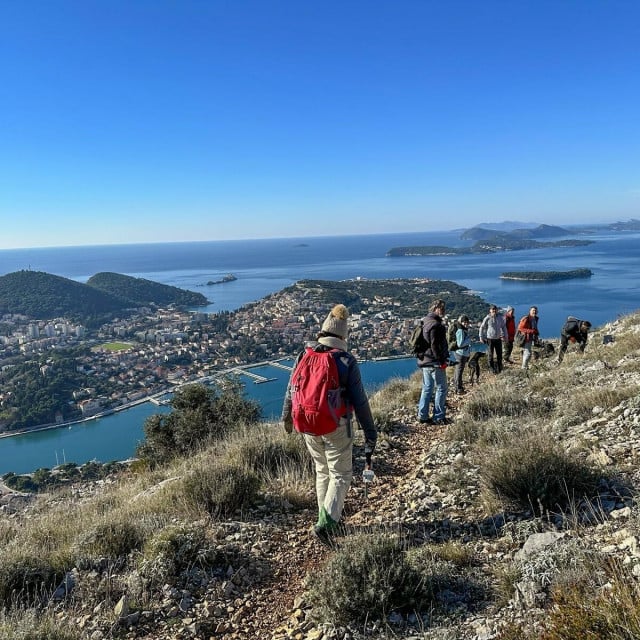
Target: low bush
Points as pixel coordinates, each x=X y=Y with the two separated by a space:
x=113 y=540
x=218 y=489
x=26 y=579
x=532 y=470
x=366 y=579
x=270 y=454
x=390 y=402
x=174 y=549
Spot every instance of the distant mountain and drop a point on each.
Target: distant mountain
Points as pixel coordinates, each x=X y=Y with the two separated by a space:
x=508 y=225
x=630 y=225
x=144 y=292
x=540 y=231
x=43 y=296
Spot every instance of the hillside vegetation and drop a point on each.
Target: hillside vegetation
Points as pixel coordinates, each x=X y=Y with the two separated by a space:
x=141 y=291
x=43 y=296
x=517 y=521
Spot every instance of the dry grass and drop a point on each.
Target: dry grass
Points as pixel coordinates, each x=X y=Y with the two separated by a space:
x=499 y=400
x=390 y=402
x=32 y=624
x=530 y=469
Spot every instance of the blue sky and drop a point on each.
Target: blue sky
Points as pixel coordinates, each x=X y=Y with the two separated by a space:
x=144 y=121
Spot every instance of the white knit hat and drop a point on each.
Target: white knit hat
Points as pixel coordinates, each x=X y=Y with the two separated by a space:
x=336 y=322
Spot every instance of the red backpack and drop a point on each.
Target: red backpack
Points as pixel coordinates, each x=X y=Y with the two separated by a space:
x=317 y=403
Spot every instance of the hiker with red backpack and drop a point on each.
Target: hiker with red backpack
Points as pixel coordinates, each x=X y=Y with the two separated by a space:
x=324 y=391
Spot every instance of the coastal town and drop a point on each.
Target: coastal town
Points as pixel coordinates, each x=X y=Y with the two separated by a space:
x=131 y=359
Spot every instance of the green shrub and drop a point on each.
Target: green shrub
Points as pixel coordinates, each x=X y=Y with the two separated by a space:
x=174 y=549
x=219 y=489
x=114 y=540
x=25 y=579
x=366 y=579
x=200 y=415
x=532 y=470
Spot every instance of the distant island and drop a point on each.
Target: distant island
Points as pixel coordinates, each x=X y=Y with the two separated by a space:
x=228 y=278
x=492 y=241
x=630 y=225
x=546 y=276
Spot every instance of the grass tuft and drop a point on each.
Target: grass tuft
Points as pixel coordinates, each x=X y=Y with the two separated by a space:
x=531 y=470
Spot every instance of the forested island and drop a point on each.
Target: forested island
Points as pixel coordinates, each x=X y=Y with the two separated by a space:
x=492 y=241
x=484 y=246
x=546 y=276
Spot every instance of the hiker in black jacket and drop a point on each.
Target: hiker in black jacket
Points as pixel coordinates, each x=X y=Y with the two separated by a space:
x=573 y=330
x=434 y=364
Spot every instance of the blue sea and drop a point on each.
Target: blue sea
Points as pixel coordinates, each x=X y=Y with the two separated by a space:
x=265 y=266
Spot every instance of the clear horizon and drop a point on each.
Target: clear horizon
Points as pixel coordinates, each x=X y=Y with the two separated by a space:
x=487 y=224
x=154 y=121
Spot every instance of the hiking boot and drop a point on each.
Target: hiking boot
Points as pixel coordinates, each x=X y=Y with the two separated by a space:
x=442 y=421
x=425 y=421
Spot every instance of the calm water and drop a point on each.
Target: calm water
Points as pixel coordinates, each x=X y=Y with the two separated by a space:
x=116 y=436
x=266 y=266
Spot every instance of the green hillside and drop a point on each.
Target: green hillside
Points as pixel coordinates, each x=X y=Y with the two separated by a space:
x=43 y=295
x=142 y=291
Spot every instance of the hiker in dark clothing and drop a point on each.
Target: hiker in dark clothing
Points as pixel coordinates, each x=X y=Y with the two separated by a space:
x=434 y=364
x=573 y=330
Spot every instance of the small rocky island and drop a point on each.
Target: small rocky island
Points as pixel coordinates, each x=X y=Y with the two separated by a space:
x=228 y=278
x=546 y=276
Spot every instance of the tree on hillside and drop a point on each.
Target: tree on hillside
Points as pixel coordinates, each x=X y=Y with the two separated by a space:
x=200 y=415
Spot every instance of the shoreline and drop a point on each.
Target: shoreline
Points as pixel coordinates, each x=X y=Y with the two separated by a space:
x=156 y=394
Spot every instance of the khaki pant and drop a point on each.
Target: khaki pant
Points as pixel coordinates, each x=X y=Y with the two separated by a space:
x=332 y=455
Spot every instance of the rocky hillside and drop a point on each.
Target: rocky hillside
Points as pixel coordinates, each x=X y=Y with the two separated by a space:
x=505 y=569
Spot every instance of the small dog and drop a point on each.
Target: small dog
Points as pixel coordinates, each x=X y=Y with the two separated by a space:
x=474 y=366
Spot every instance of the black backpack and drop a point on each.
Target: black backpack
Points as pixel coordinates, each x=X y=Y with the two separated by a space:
x=452 y=343
x=417 y=342
x=570 y=325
